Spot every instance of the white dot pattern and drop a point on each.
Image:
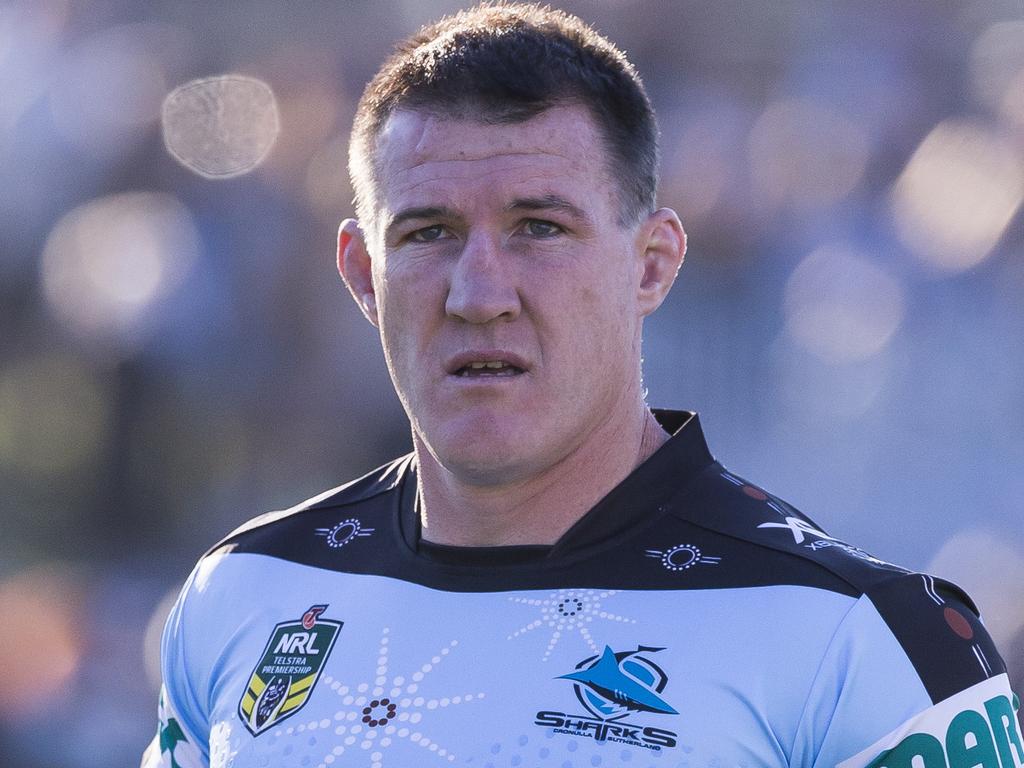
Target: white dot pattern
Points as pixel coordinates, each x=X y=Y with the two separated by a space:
x=568 y=611
x=388 y=706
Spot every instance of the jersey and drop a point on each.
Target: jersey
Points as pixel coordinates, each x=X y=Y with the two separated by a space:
x=690 y=618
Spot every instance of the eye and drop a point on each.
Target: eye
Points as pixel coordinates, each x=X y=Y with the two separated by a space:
x=428 y=234
x=541 y=228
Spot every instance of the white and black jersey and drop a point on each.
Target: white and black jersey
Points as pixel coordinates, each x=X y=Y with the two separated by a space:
x=689 y=619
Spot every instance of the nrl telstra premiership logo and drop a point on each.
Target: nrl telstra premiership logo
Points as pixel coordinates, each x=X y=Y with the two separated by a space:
x=291 y=663
x=611 y=687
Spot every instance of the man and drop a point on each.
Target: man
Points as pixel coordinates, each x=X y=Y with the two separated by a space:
x=550 y=578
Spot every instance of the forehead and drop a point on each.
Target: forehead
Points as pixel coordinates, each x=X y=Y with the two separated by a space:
x=425 y=155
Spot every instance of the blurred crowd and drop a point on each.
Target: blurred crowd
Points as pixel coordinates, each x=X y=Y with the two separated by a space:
x=177 y=353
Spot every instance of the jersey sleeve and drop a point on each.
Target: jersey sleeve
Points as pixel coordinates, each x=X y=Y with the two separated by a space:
x=172 y=747
x=182 y=738
x=911 y=679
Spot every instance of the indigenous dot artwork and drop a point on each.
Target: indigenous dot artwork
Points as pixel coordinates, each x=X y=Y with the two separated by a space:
x=568 y=611
x=373 y=716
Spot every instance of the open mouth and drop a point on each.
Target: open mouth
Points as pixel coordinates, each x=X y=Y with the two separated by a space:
x=488 y=368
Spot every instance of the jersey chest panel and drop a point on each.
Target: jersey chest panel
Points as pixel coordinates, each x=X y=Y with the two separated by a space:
x=333 y=669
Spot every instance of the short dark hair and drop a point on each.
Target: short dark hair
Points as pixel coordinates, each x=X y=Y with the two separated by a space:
x=505 y=63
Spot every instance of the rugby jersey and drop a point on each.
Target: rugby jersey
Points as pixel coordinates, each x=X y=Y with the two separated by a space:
x=689 y=619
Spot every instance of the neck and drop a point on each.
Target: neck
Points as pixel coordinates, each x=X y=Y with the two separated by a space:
x=539 y=509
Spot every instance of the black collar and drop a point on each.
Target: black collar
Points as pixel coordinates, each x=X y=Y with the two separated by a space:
x=639 y=497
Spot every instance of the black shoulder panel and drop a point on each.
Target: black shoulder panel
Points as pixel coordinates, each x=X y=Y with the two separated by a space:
x=724 y=502
x=939 y=628
x=369 y=486
x=934 y=621
x=748 y=537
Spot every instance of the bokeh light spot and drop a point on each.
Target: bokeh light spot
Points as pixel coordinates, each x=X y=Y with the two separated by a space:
x=41 y=646
x=698 y=172
x=308 y=117
x=841 y=306
x=819 y=395
x=806 y=154
x=221 y=127
x=106 y=262
x=1012 y=103
x=997 y=61
x=957 y=195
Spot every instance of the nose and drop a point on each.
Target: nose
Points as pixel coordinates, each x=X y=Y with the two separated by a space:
x=482 y=287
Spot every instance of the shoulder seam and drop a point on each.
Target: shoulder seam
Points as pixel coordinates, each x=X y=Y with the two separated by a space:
x=817 y=674
x=856 y=588
x=861 y=585
x=320 y=501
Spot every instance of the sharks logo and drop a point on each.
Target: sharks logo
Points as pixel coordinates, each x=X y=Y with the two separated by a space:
x=613 y=684
x=611 y=687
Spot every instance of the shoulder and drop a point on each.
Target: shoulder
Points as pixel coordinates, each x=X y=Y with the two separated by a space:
x=778 y=532
x=362 y=491
x=310 y=533
x=936 y=624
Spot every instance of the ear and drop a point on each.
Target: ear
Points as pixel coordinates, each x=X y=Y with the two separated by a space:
x=356 y=269
x=661 y=247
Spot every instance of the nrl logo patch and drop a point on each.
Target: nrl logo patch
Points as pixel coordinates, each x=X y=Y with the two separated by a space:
x=284 y=677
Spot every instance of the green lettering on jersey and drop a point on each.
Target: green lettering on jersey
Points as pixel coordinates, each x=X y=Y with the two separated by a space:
x=1004 y=726
x=969 y=742
x=170 y=735
x=926 y=748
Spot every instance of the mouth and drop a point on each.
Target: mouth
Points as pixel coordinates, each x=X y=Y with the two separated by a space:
x=477 y=365
x=488 y=368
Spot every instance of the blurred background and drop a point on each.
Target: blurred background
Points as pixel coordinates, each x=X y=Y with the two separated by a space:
x=177 y=353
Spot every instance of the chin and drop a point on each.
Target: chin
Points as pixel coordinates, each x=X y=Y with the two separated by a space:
x=486 y=474
x=485 y=452
x=484 y=462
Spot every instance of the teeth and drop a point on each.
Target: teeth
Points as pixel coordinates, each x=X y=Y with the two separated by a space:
x=492 y=367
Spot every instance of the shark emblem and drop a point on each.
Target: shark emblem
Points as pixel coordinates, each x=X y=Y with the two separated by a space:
x=614 y=684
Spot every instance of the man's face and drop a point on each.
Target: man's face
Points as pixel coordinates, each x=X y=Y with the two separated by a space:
x=505 y=289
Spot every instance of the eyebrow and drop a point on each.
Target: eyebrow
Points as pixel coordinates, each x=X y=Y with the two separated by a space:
x=419 y=212
x=549 y=203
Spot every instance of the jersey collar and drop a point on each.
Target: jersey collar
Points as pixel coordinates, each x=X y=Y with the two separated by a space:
x=640 y=497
